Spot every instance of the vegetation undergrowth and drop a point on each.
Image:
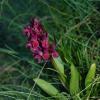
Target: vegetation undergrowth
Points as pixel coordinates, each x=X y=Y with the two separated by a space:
x=73 y=24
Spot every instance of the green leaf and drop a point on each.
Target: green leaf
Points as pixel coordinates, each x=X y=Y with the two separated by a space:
x=47 y=87
x=57 y=62
x=61 y=97
x=58 y=65
x=90 y=76
x=74 y=81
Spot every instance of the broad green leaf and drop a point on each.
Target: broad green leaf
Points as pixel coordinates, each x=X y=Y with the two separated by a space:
x=61 y=97
x=74 y=81
x=58 y=65
x=90 y=76
x=57 y=62
x=47 y=87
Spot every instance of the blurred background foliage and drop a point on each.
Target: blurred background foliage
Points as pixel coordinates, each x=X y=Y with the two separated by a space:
x=75 y=25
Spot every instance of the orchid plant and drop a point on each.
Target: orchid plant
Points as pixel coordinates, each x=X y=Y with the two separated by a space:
x=42 y=50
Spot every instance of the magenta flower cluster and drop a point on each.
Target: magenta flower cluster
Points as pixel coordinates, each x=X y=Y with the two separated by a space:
x=38 y=41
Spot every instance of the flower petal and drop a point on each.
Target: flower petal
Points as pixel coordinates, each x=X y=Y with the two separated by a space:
x=46 y=56
x=55 y=54
x=35 y=44
x=45 y=44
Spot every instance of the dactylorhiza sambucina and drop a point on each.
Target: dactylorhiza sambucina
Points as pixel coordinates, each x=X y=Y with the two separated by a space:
x=41 y=48
x=38 y=41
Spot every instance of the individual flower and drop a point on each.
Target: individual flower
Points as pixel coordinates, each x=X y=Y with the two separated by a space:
x=38 y=41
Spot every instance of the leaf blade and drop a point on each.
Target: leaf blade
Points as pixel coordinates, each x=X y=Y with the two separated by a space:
x=58 y=65
x=47 y=87
x=90 y=76
x=74 y=81
x=57 y=62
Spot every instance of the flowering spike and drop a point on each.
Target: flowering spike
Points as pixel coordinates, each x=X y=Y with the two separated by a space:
x=38 y=41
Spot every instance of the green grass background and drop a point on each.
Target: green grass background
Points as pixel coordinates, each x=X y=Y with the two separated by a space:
x=76 y=27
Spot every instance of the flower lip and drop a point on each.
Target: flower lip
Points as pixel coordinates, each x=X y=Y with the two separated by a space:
x=35 y=44
x=55 y=54
x=27 y=31
x=46 y=56
x=36 y=25
x=45 y=44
